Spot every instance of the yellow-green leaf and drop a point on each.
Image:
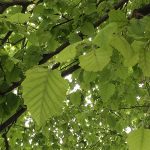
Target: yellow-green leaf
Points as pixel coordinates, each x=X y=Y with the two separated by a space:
x=96 y=60
x=122 y=45
x=44 y=92
x=145 y=62
x=68 y=53
x=139 y=139
x=19 y=18
x=105 y=35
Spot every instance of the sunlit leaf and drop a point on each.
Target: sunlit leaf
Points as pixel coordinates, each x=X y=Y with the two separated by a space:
x=122 y=45
x=139 y=139
x=104 y=36
x=95 y=60
x=19 y=18
x=40 y=93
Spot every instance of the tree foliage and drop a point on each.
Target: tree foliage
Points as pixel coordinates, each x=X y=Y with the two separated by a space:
x=75 y=74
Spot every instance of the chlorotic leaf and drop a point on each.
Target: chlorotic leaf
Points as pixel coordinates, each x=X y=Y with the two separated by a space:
x=95 y=60
x=40 y=93
x=139 y=139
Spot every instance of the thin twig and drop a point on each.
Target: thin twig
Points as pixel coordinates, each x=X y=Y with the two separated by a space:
x=4 y=40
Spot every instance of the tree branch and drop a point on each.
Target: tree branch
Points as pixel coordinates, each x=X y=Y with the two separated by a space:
x=13 y=118
x=141 y=12
x=6 y=141
x=59 y=24
x=4 y=40
x=105 y=17
x=5 y=5
x=70 y=70
x=45 y=58
x=134 y=107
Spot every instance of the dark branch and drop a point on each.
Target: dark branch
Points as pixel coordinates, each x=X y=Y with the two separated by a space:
x=141 y=12
x=70 y=70
x=120 y=4
x=4 y=40
x=14 y=85
x=24 y=5
x=13 y=118
x=45 y=58
x=5 y=5
x=68 y=20
x=134 y=107
x=6 y=141
x=105 y=17
x=148 y=87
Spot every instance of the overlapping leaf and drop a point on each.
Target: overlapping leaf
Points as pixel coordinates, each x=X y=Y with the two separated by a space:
x=139 y=139
x=96 y=60
x=122 y=45
x=117 y=16
x=19 y=18
x=44 y=92
x=145 y=62
x=68 y=53
x=105 y=35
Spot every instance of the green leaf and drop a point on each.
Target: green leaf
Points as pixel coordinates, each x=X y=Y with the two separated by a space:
x=122 y=45
x=44 y=92
x=104 y=36
x=89 y=76
x=136 y=29
x=88 y=29
x=137 y=46
x=12 y=101
x=32 y=57
x=122 y=72
x=75 y=98
x=19 y=18
x=68 y=53
x=145 y=62
x=139 y=139
x=33 y=38
x=9 y=65
x=8 y=104
x=74 y=37
x=107 y=90
x=117 y=16
x=95 y=60
x=111 y=121
x=14 y=75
